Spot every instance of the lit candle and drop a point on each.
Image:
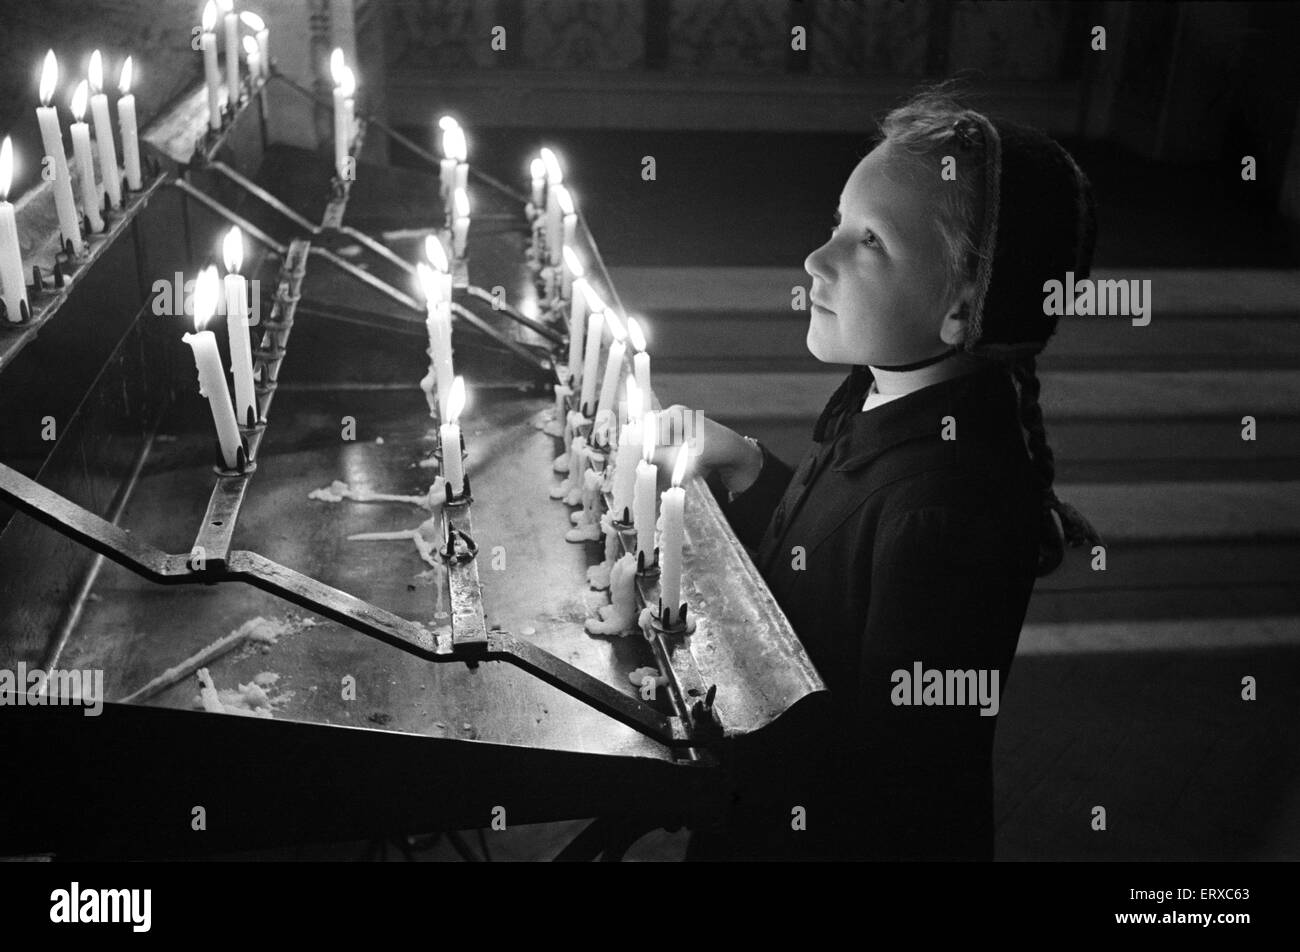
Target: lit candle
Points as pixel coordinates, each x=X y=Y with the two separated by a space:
x=241 y=351
x=449 y=434
x=640 y=361
x=591 y=358
x=438 y=323
x=52 y=140
x=211 y=75
x=577 y=328
x=436 y=253
x=643 y=495
x=85 y=162
x=629 y=453
x=232 y=52
x=258 y=26
x=104 y=131
x=537 y=173
x=555 y=220
x=345 y=85
x=212 y=382
x=554 y=180
x=568 y=227
x=254 y=54
x=451 y=132
x=130 y=139
x=613 y=366
x=674 y=537
x=11 y=257
x=460 y=226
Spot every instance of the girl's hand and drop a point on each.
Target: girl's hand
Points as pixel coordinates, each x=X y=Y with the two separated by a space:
x=714 y=447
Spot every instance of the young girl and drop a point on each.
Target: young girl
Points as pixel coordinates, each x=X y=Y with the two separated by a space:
x=905 y=546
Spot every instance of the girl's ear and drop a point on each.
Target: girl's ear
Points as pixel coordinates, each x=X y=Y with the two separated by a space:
x=955 y=323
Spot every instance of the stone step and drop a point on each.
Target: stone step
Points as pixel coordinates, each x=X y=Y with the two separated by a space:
x=1163 y=635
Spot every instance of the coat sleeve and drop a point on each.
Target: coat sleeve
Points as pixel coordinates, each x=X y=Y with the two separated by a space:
x=750 y=511
x=945 y=593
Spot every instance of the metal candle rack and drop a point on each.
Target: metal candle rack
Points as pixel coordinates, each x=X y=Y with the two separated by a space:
x=470 y=640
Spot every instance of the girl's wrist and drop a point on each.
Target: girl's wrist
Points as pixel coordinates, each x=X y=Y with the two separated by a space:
x=744 y=472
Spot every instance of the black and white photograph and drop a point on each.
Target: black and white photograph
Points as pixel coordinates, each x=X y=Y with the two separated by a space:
x=651 y=431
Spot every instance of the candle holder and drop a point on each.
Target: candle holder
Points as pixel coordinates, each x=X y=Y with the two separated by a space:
x=644 y=571
x=449 y=551
x=24 y=315
x=669 y=621
x=243 y=465
x=453 y=500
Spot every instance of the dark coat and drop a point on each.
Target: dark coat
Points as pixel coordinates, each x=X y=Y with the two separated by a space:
x=889 y=546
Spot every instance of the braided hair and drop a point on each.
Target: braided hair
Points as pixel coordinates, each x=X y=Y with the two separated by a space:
x=935 y=123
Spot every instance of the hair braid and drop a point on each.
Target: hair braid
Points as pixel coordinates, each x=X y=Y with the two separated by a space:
x=1061 y=522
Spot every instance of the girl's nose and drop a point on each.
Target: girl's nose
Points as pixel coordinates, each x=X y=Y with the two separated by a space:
x=818 y=266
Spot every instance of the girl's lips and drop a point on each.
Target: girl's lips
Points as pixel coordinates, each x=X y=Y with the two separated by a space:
x=824 y=310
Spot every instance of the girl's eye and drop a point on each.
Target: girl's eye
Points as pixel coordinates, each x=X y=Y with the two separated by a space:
x=872 y=240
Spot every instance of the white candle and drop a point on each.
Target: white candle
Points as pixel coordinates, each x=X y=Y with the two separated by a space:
x=591 y=359
x=436 y=253
x=577 y=329
x=572 y=271
x=537 y=175
x=211 y=75
x=52 y=140
x=212 y=382
x=554 y=181
x=555 y=220
x=11 y=257
x=130 y=138
x=241 y=350
x=674 y=537
x=568 y=229
x=460 y=227
x=85 y=162
x=254 y=54
x=449 y=434
x=104 y=131
x=613 y=366
x=258 y=26
x=640 y=361
x=462 y=175
x=643 y=495
x=345 y=85
x=629 y=453
x=452 y=135
x=438 y=323
x=232 y=53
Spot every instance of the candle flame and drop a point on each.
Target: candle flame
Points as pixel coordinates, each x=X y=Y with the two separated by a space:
x=456 y=401
x=49 y=77
x=337 y=65
x=633 y=399
x=347 y=82
x=232 y=250
x=454 y=145
x=79 y=101
x=679 y=468
x=428 y=282
x=6 y=167
x=250 y=46
x=206 y=289
x=634 y=332
x=565 y=200
x=594 y=304
x=252 y=21
x=124 y=80
x=436 y=253
x=615 y=326
x=209 y=17
x=554 y=174
x=649 y=435
x=462 y=203
x=573 y=263
x=96 y=72
x=226 y=5
x=447 y=122
x=537 y=169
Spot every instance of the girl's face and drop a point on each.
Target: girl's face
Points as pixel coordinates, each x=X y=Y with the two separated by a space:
x=878 y=281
